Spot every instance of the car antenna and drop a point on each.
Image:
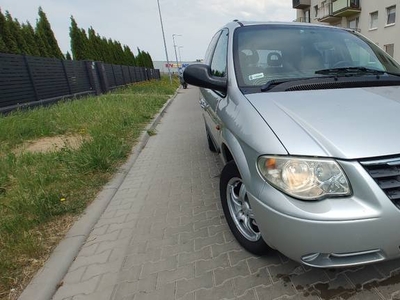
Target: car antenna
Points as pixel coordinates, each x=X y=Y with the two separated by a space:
x=237 y=21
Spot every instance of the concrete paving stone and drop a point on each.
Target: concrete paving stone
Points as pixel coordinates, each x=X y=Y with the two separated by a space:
x=387 y=287
x=107 y=245
x=152 y=255
x=100 y=269
x=166 y=241
x=179 y=229
x=83 y=287
x=188 y=258
x=84 y=261
x=74 y=276
x=224 y=291
x=109 y=221
x=201 y=242
x=304 y=280
x=108 y=237
x=193 y=219
x=88 y=250
x=185 y=286
x=242 y=284
x=276 y=290
x=170 y=263
x=163 y=293
x=218 y=228
x=113 y=227
x=117 y=254
x=364 y=275
x=218 y=249
x=176 y=249
x=145 y=285
x=205 y=208
x=237 y=256
x=334 y=288
x=185 y=237
x=362 y=295
x=184 y=272
x=285 y=270
x=96 y=231
x=304 y=297
x=388 y=267
x=221 y=275
x=257 y=262
x=204 y=266
x=190 y=296
x=103 y=295
x=214 y=213
x=249 y=295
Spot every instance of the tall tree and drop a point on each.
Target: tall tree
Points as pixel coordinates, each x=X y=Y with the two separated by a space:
x=3 y=47
x=16 y=31
x=8 y=39
x=30 y=39
x=44 y=30
x=78 y=41
x=68 y=56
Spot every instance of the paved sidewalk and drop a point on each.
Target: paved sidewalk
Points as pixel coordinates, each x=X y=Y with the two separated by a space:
x=163 y=235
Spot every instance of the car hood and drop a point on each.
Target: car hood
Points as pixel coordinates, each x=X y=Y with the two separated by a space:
x=343 y=123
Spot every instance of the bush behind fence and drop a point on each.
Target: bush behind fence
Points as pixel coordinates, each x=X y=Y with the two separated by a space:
x=27 y=81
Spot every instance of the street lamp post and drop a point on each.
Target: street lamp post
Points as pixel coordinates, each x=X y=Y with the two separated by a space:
x=165 y=43
x=176 y=56
x=179 y=52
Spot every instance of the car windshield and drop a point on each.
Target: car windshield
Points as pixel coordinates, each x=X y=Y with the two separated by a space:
x=278 y=52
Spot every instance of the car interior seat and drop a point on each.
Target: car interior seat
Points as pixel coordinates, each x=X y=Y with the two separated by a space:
x=311 y=61
x=251 y=72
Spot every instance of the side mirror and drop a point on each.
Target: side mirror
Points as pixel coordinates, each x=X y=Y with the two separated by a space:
x=200 y=75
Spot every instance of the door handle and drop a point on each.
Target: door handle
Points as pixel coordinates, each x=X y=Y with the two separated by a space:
x=203 y=104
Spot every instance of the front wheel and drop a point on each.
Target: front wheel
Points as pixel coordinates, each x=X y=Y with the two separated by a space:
x=238 y=212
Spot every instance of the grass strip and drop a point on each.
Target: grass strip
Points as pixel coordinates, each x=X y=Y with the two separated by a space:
x=42 y=191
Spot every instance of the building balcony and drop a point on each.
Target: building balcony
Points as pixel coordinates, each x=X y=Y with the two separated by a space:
x=325 y=14
x=302 y=20
x=301 y=4
x=345 y=8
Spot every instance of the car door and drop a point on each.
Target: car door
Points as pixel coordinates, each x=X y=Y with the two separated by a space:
x=216 y=57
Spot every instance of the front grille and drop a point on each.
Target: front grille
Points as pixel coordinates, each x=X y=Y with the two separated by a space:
x=386 y=174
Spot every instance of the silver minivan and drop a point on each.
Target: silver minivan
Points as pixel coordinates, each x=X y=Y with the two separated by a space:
x=307 y=121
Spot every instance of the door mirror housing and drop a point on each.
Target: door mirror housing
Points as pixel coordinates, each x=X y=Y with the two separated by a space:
x=200 y=75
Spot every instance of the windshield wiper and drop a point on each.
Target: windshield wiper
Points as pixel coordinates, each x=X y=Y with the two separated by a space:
x=272 y=83
x=350 y=71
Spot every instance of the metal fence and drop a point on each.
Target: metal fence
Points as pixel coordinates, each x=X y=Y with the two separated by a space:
x=27 y=81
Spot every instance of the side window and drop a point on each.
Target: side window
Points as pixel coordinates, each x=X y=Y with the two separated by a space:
x=218 y=63
x=211 y=47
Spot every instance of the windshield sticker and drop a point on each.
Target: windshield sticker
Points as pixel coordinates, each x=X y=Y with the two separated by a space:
x=256 y=76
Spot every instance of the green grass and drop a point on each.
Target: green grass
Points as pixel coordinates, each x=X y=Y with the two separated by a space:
x=37 y=190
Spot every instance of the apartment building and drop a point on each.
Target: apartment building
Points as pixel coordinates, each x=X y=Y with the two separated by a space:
x=376 y=19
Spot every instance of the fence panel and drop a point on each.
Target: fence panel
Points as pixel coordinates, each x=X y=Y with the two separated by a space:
x=15 y=83
x=29 y=80
x=49 y=77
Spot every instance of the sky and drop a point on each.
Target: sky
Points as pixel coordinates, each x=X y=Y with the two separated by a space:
x=136 y=23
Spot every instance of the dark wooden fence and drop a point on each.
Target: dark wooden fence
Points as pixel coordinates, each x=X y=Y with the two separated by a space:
x=27 y=81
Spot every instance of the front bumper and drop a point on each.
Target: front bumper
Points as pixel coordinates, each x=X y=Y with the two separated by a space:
x=336 y=232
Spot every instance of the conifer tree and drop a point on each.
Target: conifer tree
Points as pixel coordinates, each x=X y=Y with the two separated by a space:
x=16 y=31
x=29 y=35
x=78 y=41
x=43 y=29
x=3 y=47
x=8 y=39
x=68 y=56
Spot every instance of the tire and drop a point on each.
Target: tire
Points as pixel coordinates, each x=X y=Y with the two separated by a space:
x=184 y=85
x=237 y=210
x=211 y=145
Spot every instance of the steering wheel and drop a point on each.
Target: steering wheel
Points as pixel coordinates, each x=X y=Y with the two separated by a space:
x=342 y=64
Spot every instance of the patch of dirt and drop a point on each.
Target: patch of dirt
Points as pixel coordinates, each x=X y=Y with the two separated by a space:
x=52 y=144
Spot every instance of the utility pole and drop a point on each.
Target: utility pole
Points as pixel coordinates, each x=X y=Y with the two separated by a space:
x=176 y=56
x=165 y=43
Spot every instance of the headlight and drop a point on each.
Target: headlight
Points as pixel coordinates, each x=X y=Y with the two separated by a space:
x=303 y=178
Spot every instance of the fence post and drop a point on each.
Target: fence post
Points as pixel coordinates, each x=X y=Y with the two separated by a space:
x=101 y=71
x=31 y=77
x=91 y=71
x=66 y=76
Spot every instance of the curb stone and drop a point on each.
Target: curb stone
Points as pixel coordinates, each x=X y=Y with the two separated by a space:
x=49 y=278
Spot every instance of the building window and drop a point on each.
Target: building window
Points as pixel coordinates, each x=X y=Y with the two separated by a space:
x=316 y=11
x=353 y=24
x=389 y=48
x=373 y=24
x=307 y=16
x=391 y=15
